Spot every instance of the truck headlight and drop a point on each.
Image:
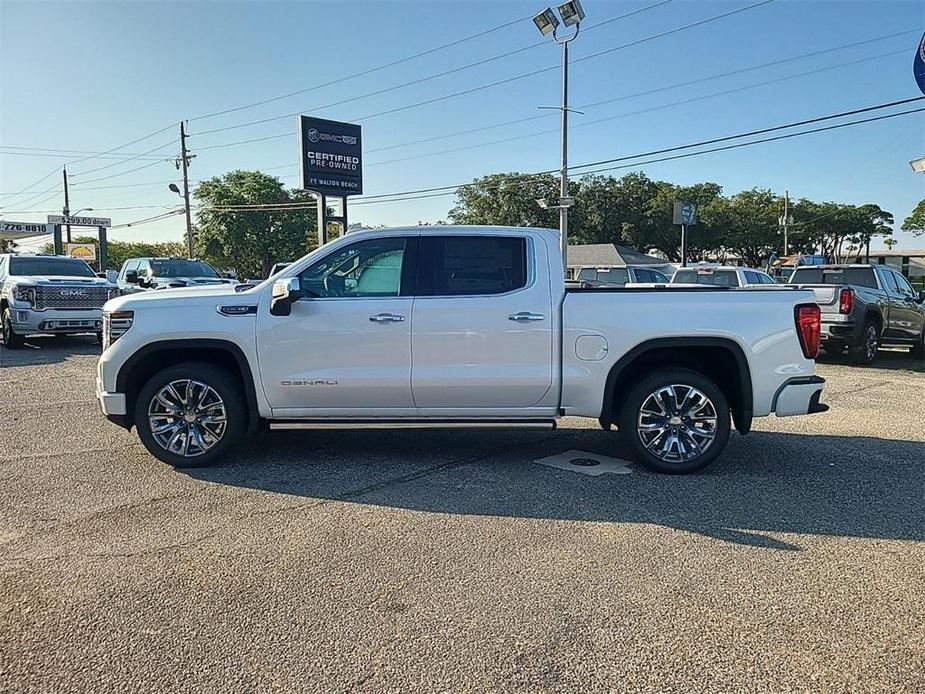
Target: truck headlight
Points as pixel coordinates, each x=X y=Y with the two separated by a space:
x=26 y=294
x=115 y=325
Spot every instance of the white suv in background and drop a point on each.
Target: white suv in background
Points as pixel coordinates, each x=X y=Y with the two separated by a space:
x=50 y=294
x=722 y=276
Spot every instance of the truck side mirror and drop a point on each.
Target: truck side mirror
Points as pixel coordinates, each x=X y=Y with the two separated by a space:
x=131 y=277
x=285 y=292
x=922 y=296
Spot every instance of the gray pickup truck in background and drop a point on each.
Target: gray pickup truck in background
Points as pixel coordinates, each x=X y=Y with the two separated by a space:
x=864 y=307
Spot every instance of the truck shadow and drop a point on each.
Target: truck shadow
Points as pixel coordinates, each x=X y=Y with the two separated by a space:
x=48 y=349
x=766 y=483
x=889 y=359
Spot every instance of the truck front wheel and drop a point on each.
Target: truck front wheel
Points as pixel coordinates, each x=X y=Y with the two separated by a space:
x=9 y=338
x=191 y=414
x=675 y=421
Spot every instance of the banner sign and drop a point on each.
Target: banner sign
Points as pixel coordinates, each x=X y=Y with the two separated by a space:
x=331 y=157
x=685 y=213
x=80 y=221
x=918 y=65
x=84 y=251
x=24 y=228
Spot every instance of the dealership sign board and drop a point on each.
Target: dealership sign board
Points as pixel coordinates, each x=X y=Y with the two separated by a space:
x=331 y=157
x=20 y=230
x=84 y=251
x=80 y=221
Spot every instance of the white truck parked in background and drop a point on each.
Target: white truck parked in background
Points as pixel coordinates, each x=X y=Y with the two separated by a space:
x=454 y=326
x=49 y=294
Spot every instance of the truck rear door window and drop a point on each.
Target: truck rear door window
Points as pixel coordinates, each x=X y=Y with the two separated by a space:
x=471 y=265
x=718 y=278
x=858 y=276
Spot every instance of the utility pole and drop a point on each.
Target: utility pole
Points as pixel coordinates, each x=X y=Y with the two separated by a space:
x=184 y=159
x=785 y=222
x=67 y=206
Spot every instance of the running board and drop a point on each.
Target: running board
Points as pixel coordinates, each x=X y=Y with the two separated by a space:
x=290 y=424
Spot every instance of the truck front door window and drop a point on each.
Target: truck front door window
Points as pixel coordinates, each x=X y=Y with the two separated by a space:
x=370 y=268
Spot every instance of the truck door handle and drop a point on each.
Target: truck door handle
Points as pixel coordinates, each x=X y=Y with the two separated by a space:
x=387 y=318
x=524 y=316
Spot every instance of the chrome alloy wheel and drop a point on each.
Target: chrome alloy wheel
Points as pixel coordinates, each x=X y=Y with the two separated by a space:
x=870 y=342
x=187 y=417
x=677 y=423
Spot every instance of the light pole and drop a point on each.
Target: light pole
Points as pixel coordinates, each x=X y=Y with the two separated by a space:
x=546 y=21
x=184 y=194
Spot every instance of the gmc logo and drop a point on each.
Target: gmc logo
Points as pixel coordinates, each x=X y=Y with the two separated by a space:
x=73 y=292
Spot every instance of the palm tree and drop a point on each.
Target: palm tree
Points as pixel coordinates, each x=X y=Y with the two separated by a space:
x=889 y=243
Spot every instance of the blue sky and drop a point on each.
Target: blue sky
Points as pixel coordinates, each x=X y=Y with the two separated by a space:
x=92 y=76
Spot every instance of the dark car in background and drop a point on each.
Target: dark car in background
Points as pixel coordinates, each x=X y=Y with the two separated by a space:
x=865 y=307
x=143 y=274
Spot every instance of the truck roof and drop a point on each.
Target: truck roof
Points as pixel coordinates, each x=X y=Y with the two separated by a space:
x=460 y=229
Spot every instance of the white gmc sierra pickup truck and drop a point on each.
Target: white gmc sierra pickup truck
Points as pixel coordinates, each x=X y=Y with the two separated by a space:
x=454 y=326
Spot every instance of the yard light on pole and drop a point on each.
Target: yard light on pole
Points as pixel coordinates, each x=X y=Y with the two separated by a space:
x=547 y=23
x=918 y=165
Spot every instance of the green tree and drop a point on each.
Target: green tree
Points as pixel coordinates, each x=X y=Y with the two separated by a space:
x=251 y=240
x=507 y=199
x=748 y=225
x=613 y=210
x=117 y=252
x=915 y=222
x=663 y=234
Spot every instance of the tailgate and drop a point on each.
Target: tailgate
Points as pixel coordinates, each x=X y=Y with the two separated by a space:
x=826 y=294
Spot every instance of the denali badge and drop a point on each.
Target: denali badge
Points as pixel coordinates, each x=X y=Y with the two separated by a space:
x=73 y=292
x=318 y=382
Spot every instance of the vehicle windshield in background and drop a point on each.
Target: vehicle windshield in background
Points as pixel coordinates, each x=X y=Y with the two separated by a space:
x=62 y=267
x=612 y=275
x=858 y=276
x=720 y=278
x=182 y=268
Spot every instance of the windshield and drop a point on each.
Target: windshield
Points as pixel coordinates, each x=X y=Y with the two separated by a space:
x=718 y=278
x=182 y=268
x=858 y=276
x=65 y=267
x=612 y=275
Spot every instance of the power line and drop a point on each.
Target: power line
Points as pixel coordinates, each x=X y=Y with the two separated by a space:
x=492 y=84
x=515 y=78
x=127 y=144
x=32 y=185
x=124 y=161
x=362 y=73
x=606 y=119
x=139 y=222
x=125 y=173
x=676 y=85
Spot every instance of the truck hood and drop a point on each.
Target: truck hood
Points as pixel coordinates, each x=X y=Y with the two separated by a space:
x=184 y=296
x=56 y=280
x=190 y=281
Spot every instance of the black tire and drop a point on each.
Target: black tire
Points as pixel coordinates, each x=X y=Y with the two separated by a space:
x=865 y=353
x=833 y=349
x=631 y=418
x=8 y=338
x=228 y=389
x=918 y=351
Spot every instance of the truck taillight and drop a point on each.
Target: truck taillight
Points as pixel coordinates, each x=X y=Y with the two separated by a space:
x=809 y=324
x=846 y=301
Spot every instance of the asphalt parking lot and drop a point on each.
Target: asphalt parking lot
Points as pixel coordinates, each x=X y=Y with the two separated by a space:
x=448 y=561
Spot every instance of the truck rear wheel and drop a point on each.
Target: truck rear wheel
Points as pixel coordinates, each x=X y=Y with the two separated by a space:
x=865 y=353
x=9 y=338
x=191 y=414
x=675 y=421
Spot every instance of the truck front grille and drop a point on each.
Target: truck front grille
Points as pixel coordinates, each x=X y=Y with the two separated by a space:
x=73 y=297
